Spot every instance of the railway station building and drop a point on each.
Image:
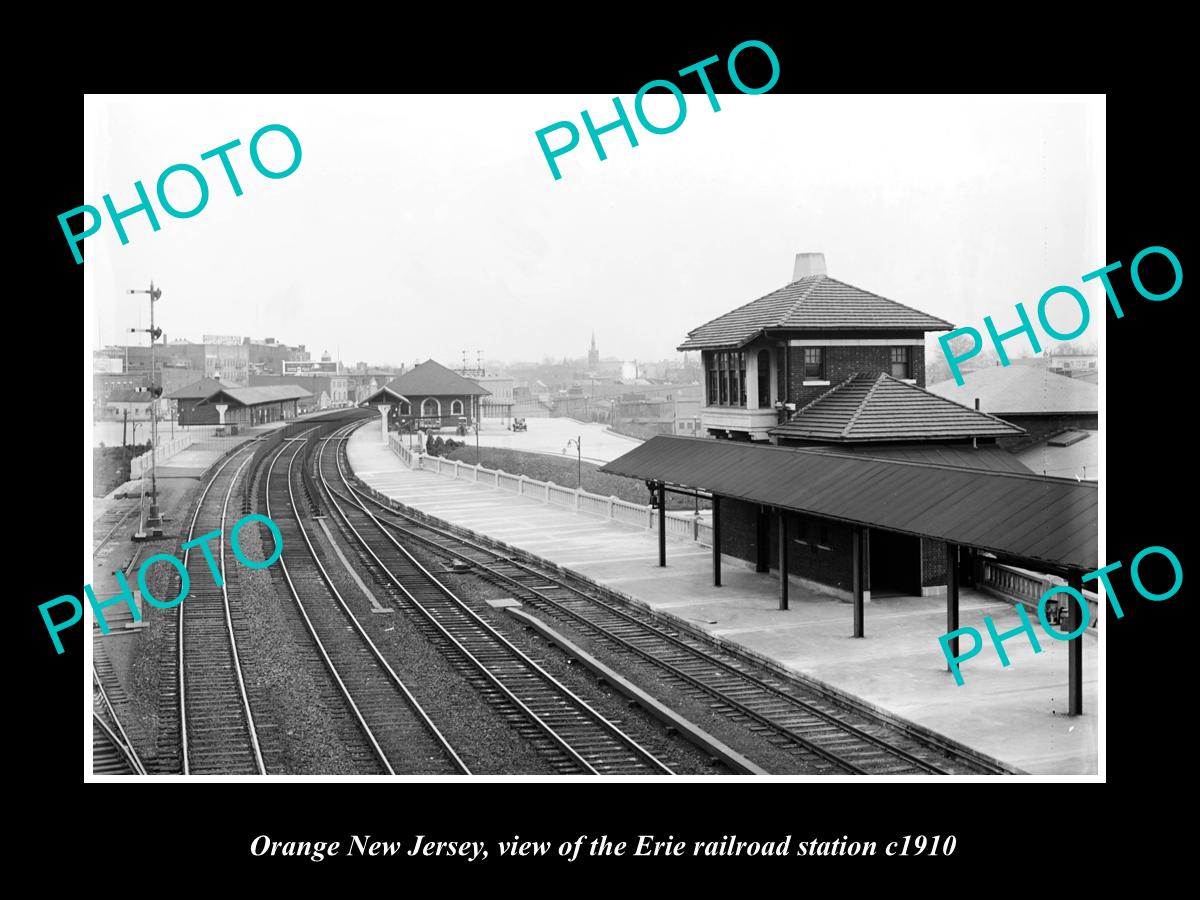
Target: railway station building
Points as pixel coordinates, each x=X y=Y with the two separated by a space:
x=221 y=405
x=836 y=469
x=430 y=397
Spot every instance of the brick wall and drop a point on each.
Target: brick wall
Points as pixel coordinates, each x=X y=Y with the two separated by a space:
x=832 y=566
x=841 y=363
x=934 y=559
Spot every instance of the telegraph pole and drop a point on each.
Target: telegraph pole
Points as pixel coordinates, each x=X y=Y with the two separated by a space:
x=154 y=519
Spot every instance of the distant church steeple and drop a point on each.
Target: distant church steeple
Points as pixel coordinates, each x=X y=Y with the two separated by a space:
x=593 y=354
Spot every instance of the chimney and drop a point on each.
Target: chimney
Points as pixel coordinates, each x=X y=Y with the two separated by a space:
x=808 y=264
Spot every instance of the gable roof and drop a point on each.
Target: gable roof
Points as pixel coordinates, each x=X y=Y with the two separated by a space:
x=1024 y=390
x=814 y=303
x=252 y=396
x=883 y=408
x=432 y=379
x=197 y=390
x=384 y=394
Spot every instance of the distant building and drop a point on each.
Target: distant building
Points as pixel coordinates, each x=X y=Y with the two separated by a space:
x=1073 y=364
x=266 y=357
x=499 y=402
x=107 y=365
x=430 y=396
x=327 y=391
x=248 y=406
x=310 y=367
x=218 y=356
x=593 y=357
x=132 y=403
x=642 y=417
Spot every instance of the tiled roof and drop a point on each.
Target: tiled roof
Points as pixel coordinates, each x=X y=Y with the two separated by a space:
x=814 y=303
x=252 y=396
x=883 y=408
x=1024 y=390
x=432 y=379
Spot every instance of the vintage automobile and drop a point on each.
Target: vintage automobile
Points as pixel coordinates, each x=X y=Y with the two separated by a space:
x=519 y=425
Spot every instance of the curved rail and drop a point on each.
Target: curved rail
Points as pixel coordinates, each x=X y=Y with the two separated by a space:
x=590 y=742
x=117 y=738
x=816 y=724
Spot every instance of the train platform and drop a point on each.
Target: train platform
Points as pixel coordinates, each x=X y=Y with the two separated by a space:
x=1015 y=714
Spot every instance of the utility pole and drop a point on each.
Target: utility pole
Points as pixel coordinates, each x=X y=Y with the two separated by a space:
x=154 y=519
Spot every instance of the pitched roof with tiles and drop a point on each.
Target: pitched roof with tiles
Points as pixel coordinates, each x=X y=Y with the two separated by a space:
x=814 y=303
x=883 y=408
x=1021 y=390
x=432 y=379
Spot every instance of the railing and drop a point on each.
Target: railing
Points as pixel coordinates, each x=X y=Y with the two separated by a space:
x=1027 y=588
x=139 y=465
x=687 y=526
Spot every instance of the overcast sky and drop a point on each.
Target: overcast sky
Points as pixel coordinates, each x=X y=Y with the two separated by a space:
x=417 y=227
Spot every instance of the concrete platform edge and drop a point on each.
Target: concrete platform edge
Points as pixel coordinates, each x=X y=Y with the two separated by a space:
x=654 y=707
x=840 y=695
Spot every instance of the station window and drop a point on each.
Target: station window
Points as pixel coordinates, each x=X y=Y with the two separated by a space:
x=902 y=362
x=814 y=363
x=726 y=379
x=764 y=379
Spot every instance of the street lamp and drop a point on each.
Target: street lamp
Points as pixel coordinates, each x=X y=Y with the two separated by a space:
x=577 y=443
x=475 y=425
x=154 y=519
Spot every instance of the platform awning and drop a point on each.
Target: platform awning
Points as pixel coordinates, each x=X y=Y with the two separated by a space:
x=1052 y=521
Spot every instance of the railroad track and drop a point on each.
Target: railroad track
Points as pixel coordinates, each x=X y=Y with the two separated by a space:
x=216 y=724
x=402 y=736
x=574 y=737
x=826 y=730
x=122 y=516
x=112 y=751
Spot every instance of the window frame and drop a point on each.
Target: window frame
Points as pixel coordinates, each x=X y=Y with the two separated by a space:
x=764 y=378
x=906 y=360
x=820 y=354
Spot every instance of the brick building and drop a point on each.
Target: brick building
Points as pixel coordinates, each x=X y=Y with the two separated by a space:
x=829 y=367
x=430 y=396
x=328 y=391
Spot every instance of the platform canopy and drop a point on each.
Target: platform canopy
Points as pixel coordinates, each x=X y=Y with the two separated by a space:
x=1026 y=518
